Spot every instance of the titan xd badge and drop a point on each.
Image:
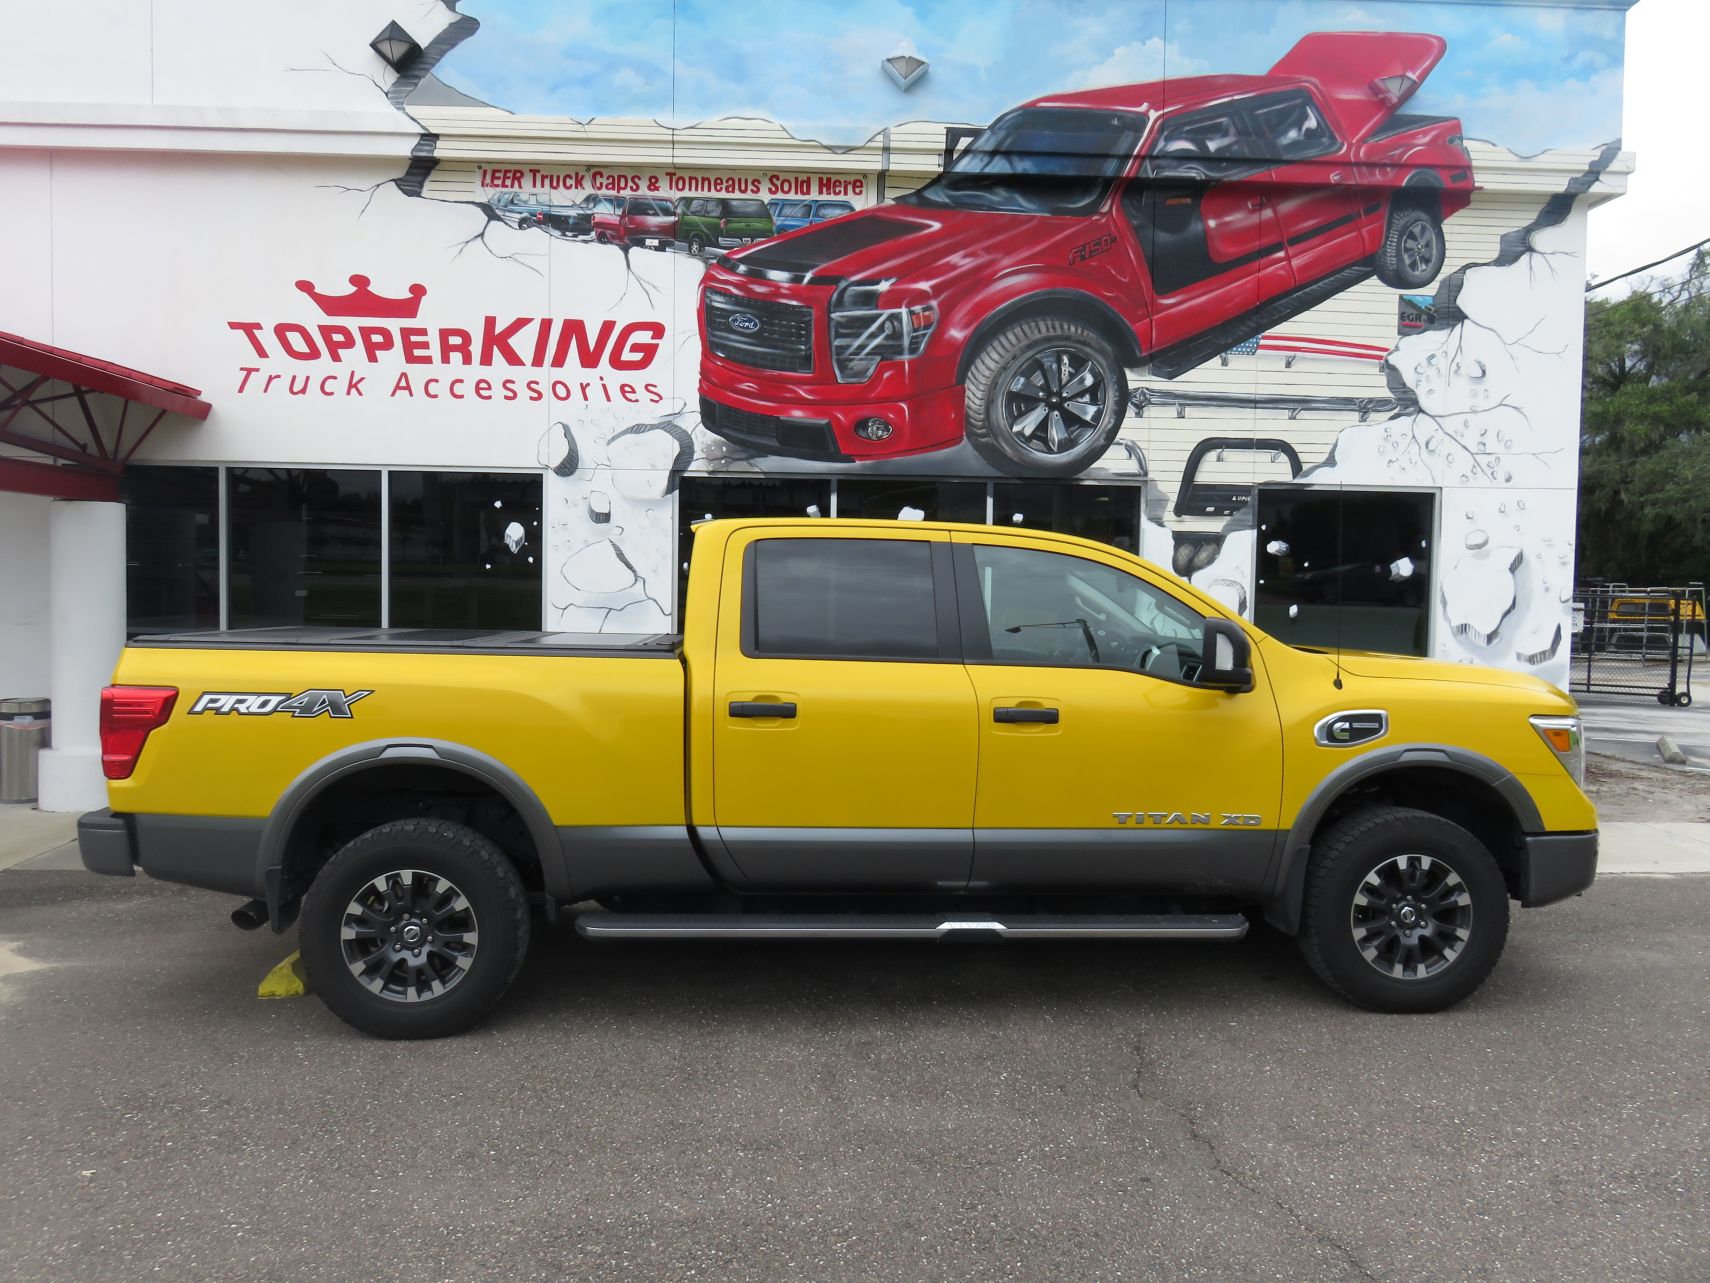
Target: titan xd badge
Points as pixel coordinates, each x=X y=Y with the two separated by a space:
x=311 y=703
x=1358 y=726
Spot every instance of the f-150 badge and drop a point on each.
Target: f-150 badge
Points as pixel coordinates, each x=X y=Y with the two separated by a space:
x=311 y=703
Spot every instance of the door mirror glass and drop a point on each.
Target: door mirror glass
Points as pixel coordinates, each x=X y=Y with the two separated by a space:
x=1228 y=657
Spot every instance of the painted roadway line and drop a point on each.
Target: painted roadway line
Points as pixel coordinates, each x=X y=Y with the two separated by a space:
x=286 y=980
x=11 y=964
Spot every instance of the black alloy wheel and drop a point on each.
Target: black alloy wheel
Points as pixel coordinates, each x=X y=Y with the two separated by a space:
x=1045 y=397
x=414 y=929
x=1403 y=910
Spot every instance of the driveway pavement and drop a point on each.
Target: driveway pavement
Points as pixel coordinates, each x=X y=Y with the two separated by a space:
x=775 y=1111
x=1628 y=726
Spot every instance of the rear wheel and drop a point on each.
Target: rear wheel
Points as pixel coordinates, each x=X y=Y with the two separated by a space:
x=1045 y=398
x=1413 y=248
x=697 y=245
x=1404 y=911
x=415 y=929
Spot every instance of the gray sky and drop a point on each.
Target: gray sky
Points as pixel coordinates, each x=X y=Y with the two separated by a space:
x=1667 y=204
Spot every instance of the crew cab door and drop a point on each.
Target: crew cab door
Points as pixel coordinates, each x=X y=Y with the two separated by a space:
x=1206 y=229
x=1102 y=765
x=1311 y=185
x=844 y=733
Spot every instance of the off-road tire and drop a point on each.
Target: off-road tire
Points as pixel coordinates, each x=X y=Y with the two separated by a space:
x=997 y=363
x=1356 y=846
x=477 y=867
x=1413 y=248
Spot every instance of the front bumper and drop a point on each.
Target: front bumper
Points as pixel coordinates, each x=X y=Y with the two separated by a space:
x=1556 y=866
x=803 y=421
x=217 y=853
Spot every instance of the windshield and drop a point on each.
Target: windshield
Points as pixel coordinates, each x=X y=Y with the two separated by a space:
x=1038 y=160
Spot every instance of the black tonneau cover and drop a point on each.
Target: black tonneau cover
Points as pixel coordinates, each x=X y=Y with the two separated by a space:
x=438 y=641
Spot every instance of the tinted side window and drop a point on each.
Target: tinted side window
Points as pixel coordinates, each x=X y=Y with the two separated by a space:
x=855 y=598
x=1292 y=129
x=835 y=208
x=1051 y=608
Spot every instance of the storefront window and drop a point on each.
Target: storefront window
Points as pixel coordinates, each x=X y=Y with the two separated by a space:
x=304 y=547
x=1345 y=569
x=1109 y=514
x=465 y=550
x=888 y=498
x=710 y=498
x=172 y=549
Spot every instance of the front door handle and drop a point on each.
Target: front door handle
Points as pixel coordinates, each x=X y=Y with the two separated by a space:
x=749 y=708
x=1045 y=716
x=1258 y=202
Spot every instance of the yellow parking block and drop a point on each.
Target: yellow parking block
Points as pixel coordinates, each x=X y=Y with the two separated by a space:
x=286 y=980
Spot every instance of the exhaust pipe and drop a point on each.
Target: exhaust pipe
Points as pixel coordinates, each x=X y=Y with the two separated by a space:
x=250 y=915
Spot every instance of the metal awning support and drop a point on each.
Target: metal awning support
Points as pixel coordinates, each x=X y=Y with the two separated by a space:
x=88 y=450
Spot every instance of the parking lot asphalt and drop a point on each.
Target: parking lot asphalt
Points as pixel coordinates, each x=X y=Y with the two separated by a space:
x=798 y=1111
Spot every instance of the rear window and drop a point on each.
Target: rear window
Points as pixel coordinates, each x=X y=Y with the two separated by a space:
x=748 y=209
x=841 y=598
x=793 y=209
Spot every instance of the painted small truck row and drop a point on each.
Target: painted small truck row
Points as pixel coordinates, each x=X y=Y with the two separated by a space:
x=1083 y=235
x=867 y=729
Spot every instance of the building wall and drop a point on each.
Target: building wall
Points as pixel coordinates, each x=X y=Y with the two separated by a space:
x=263 y=162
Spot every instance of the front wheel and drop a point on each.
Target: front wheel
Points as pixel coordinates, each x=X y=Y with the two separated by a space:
x=1413 y=249
x=1045 y=398
x=1404 y=910
x=414 y=929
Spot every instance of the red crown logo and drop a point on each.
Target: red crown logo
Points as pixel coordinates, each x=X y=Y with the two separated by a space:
x=362 y=301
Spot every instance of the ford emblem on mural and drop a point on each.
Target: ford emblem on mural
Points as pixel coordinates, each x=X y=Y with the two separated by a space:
x=747 y=322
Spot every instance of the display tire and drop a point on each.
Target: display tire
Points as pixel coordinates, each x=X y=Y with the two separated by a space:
x=473 y=865
x=1413 y=249
x=1368 y=843
x=988 y=420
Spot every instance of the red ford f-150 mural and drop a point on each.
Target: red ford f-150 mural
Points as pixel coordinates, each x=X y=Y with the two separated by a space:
x=1145 y=227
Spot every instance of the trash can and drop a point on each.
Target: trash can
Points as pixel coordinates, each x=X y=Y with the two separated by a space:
x=25 y=729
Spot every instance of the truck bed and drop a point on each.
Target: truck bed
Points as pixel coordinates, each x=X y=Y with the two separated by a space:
x=429 y=641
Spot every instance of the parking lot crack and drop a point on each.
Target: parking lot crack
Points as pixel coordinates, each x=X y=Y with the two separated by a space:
x=1148 y=1086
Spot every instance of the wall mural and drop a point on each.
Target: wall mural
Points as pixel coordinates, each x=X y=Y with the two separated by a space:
x=1196 y=281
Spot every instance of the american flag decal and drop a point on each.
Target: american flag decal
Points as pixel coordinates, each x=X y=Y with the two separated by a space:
x=1301 y=345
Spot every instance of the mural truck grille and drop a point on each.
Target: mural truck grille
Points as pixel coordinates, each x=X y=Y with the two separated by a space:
x=760 y=333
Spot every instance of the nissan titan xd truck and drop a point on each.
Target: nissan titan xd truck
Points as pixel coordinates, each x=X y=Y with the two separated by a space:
x=867 y=730
x=1083 y=235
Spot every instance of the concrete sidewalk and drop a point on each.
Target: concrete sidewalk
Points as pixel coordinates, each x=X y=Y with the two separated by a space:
x=33 y=839
x=37 y=839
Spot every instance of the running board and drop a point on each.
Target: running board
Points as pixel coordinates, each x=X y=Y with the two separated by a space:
x=914 y=926
x=1173 y=362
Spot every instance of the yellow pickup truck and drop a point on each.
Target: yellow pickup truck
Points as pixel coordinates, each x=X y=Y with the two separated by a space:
x=869 y=730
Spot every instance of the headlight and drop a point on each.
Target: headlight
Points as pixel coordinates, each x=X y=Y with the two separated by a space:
x=1565 y=740
x=863 y=334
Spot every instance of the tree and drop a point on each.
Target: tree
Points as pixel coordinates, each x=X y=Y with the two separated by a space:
x=1644 y=488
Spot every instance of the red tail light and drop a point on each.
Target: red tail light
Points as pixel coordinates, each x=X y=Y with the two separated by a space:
x=128 y=714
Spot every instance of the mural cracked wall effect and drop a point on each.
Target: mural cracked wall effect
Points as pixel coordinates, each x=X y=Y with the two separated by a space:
x=1477 y=400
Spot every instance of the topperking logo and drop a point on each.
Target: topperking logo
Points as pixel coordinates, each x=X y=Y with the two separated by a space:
x=369 y=346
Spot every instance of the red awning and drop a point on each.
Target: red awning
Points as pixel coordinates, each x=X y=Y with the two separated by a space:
x=91 y=449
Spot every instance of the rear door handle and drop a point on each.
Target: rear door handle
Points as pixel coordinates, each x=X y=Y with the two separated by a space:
x=1046 y=716
x=1258 y=202
x=749 y=708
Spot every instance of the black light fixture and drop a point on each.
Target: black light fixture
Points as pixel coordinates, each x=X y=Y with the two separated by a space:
x=397 y=49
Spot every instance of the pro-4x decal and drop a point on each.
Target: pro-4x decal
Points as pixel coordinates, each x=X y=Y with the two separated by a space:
x=311 y=703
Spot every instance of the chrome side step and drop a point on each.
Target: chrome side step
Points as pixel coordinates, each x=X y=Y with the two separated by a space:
x=842 y=926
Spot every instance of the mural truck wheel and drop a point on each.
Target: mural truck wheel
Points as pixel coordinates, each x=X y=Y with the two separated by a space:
x=1404 y=910
x=1413 y=249
x=696 y=246
x=1045 y=398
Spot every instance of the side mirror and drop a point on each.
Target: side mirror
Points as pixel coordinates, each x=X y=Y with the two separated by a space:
x=1226 y=662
